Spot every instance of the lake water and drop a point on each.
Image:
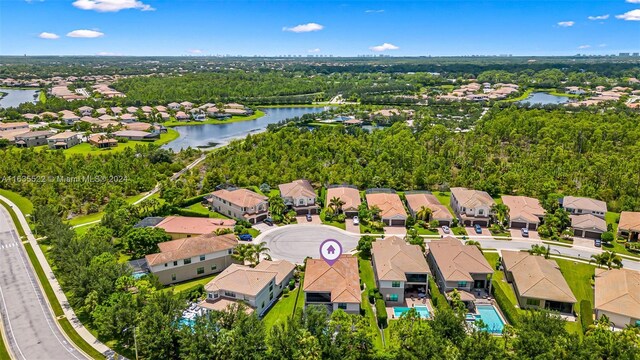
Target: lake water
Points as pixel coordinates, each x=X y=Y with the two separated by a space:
x=16 y=97
x=543 y=98
x=209 y=135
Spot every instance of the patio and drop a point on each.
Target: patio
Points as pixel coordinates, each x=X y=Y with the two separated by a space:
x=410 y=302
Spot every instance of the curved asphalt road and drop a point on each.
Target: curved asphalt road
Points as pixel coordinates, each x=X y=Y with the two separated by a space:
x=30 y=328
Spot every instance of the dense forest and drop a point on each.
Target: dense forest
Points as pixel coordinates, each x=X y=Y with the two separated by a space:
x=529 y=152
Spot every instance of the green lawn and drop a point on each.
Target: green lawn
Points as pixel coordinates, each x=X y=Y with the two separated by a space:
x=191 y=283
x=612 y=218
x=373 y=322
x=499 y=279
x=15 y=220
x=22 y=202
x=199 y=208
x=86 y=148
x=578 y=276
x=4 y=353
x=284 y=308
x=366 y=274
x=444 y=198
x=173 y=122
x=79 y=341
x=83 y=219
x=339 y=225
x=42 y=97
x=423 y=231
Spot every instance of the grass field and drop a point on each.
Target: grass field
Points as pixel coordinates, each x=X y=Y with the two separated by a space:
x=499 y=279
x=191 y=283
x=578 y=276
x=173 y=122
x=79 y=341
x=22 y=202
x=366 y=274
x=86 y=148
x=283 y=308
x=4 y=353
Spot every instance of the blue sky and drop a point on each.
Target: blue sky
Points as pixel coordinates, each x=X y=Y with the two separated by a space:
x=339 y=28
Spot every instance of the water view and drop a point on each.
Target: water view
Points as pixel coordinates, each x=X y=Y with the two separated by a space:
x=543 y=98
x=15 y=97
x=209 y=135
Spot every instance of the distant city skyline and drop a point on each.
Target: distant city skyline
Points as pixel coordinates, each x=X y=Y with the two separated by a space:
x=303 y=28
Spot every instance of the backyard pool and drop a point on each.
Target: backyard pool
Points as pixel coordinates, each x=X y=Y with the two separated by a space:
x=489 y=315
x=423 y=311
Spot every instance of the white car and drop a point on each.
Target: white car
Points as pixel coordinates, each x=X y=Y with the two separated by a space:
x=356 y=221
x=445 y=229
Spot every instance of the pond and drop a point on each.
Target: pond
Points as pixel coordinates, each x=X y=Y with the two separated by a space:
x=210 y=135
x=543 y=98
x=15 y=97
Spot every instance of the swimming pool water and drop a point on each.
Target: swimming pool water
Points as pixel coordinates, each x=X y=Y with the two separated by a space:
x=489 y=315
x=423 y=311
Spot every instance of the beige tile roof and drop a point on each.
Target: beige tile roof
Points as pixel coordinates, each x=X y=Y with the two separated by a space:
x=456 y=261
x=241 y=279
x=283 y=268
x=341 y=280
x=350 y=196
x=629 y=221
x=618 y=291
x=194 y=225
x=64 y=135
x=389 y=204
x=222 y=304
x=438 y=211
x=588 y=222
x=394 y=257
x=189 y=247
x=139 y=126
x=11 y=125
x=472 y=198
x=523 y=208
x=584 y=203
x=536 y=277
x=296 y=189
x=240 y=197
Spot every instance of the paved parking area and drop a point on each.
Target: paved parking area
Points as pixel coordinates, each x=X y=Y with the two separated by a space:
x=395 y=230
x=302 y=219
x=516 y=233
x=442 y=233
x=471 y=231
x=350 y=227
x=584 y=242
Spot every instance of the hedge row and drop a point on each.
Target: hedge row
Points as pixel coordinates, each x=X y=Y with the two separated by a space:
x=438 y=300
x=508 y=309
x=586 y=315
x=191 y=201
x=381 y=313
x=187 y=212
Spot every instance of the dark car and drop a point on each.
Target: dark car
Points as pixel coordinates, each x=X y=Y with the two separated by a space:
x=245 y=237
x=478 y=229
x=597 y=243
x=268 y=221
x=309 y=217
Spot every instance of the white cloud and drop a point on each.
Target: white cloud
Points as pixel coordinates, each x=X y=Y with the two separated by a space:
x=584 y=46
x=83 y=33
x=384 y=47
x=566 y=23
x=633 y=1
x=304 y=28
x=314 y=51
x=195 y=51
x=111 y=5
x=602 y=45
x=599 y=17
x=107 y=53
x=633 y=15
x=374 y=11
x=48 y=35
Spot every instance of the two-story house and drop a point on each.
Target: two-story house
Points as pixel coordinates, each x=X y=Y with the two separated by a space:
x=240 y=204
x=583 y=206
x=471 y=206
x=64 y=140
x=299 y=196
x=399 y=268
x=336 y=286
x=458 y=266
x=188 y=258
x=184 y=226
x=33 y=138
x=257 y=287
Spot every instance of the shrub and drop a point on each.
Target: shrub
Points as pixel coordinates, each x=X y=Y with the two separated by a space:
x=381 y=313
x=194 y=293
x=192 y=200
x=438 y=299
x=508 y=309
x=187 y=212
x=606 y=237
x=292 y=284
x=285 y=291
x=371 y=294
x=586 y=315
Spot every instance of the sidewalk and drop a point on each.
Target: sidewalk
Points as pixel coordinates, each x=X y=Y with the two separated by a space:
x=62 y=298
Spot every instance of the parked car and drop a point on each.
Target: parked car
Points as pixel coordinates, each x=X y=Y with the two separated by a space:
x=356 y=221
x=598 y=243
x=245 y=237
x=445 y=229
x=268 y=221
x=309 y=217
x=524 y=232
x=478 y=229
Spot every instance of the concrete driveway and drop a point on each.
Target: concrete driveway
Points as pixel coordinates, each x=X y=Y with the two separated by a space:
x=442 y=233
x=517 y=233
x=302 y=219
x=350 y=227
x=471 y=231
x=295 y=242
x=262 y=227
x=395 y=230
x=584 y=242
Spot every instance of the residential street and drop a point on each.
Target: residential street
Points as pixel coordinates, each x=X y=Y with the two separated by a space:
x=28 y=323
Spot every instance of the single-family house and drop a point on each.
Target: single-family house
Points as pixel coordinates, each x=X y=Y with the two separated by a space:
x=471 y=206
x=458 y=266
x=188 y=258
x=10 y=126
x=29 y=116
x=172 y=106
x=240 y=204
x=524 y=212
x=335 y=286
x=85 y=110
x=186 y=105
x=417 y=200
x=48 y=115
x=299 y=196
x=184 y=227
x=101 y=111
x=629 y=225
x=257 y=287
x=164 y=116
x=69 y=118
x=64 y=140
x=107 y=117
x=147 y=109
x=141 y=126
x=399 y=269
x=582 y=205
x=617 y=295
x=116 y=110
x=161 y=108
x=347 y=194
x=102 y=141
x=137 y=135
x=127 y=118
x=212 y=111
x=392 y=212
x=132 y=109
x=182 y=116
x=588 y=226
x=33 y=138
x=537 y=282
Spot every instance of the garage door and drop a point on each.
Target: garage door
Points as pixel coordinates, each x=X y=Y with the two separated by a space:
x=397 y=222
x=577 y=233
x=591 y=235
x=444 y=223
x=518 y=225
x=481 y=223
x=533 y=226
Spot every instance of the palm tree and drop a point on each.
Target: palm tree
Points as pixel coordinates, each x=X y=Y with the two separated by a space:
x=502 y=213
x=276 y=205
x=424 y=214
x=608 y=258
x=375 y=212
x=243 y=253
x=540 y=250
x=336 y=204
x=260 y=249
x=473 y=242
